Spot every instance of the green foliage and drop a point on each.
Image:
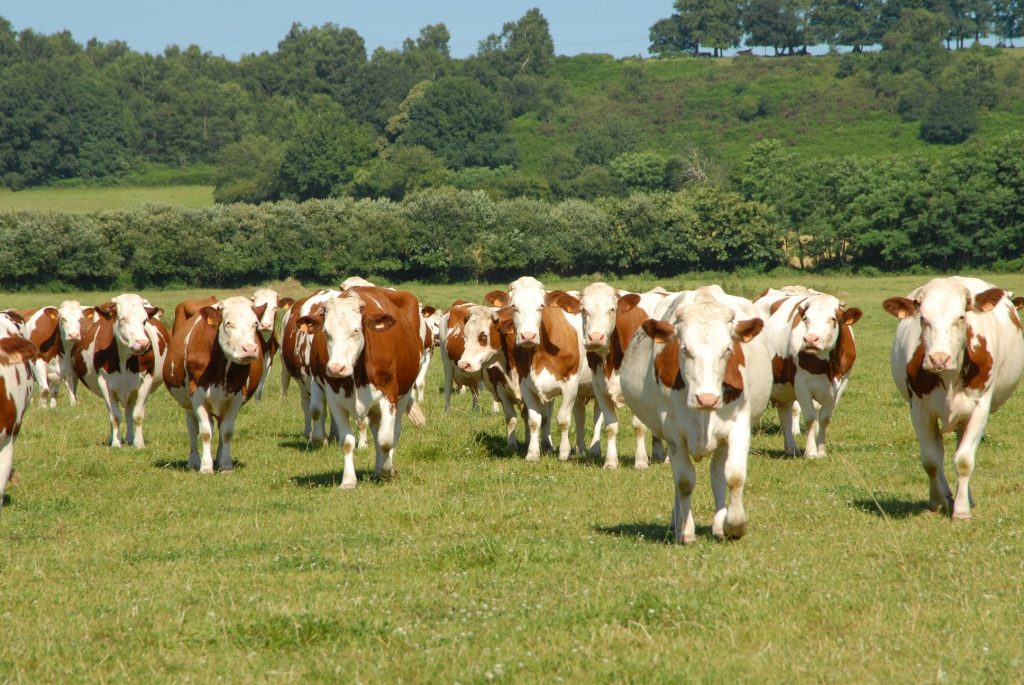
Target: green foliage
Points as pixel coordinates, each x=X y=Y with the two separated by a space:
x=951 y=117
x=915 y=43
x=671 y=36
x=713 y=23
x=249 y=171
x=405 y=169
x=640 y=171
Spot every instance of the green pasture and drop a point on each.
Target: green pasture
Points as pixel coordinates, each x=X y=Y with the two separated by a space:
x=84 y=200
x=473 y=566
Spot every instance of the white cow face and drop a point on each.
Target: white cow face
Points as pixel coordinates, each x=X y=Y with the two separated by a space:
x=70 y=317
x=237 y=324
x=598 y=307
x=526 y=296
x=817 y=322
x=344 y=323
x=708 y=333
x=480 y=343
x=432 y=318
x=943 y=310
x=129 y=313
x=265 y=302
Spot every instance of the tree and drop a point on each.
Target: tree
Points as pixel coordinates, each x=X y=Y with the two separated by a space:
x=462 y=122
x=915 y=43
x=856 y=23
x=713 y=23
x=402 y=171
x=951 y=118
x=249 y=171
x=671 y=36
x=640 y=171
x=1008 y=19
x=773 y=23
x=523 y=46
x=320 y=59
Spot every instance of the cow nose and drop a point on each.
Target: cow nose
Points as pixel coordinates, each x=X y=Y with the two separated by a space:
x=707 y=400
x=595 y=338
x=266 y=326
x=939 y=360
x=140 y=345
x=528 y=337
x=250 y=350
x=812 y=340
x=337 y=370
x=464 y=365
x=74 y=336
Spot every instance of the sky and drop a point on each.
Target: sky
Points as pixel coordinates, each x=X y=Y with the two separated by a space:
x=236 y=27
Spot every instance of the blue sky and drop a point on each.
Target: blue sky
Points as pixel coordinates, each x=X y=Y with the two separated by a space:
x=236 y=27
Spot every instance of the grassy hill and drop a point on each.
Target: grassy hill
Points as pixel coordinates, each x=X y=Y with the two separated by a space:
x=84 y=200
x=721 y=106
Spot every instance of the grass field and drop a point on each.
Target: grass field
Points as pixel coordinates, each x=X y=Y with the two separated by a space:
x=473 y=566
x=86 y=200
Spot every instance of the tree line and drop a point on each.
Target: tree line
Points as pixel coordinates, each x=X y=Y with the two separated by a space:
x=962 y=211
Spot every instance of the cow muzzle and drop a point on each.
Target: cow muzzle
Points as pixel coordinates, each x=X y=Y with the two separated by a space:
x=812 y=342
x=938 y=361
x=594 y=340
x=139 y=346
x=708 y=401
x=528 y=339
x=339 y=370
x=466 y=366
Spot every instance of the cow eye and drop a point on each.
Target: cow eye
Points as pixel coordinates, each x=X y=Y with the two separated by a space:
x=687 y=353
x=482 y=338
x=924 y=323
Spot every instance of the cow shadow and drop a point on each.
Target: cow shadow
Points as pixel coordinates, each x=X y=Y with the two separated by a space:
x=651 y=532
x=782 y=455
x=6 y=501
x=301 y=444
x=890 y=507
x=331 y=479
x=182 y=464
x=496 y=446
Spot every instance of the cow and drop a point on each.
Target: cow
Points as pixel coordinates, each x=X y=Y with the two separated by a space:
x=430 y=329
x=452 y=346
x=72 y=318
x=488 y=348
x=812 y=348
x=958 y=355
x=296 y=348
x=42 y=327
x=610 y=317
x=186 y=309
x=17 y=357
x=549 y=358
x=701 y=378
x=268 y=301
x=365 y=348
x=213 y=366
x=120 y=358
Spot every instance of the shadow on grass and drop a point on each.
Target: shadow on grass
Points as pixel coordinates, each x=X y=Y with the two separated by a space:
x=331 y=479
x=496 y=446
x=182 y=465
x=656 y=533
x=6 y=501
x=781 y=455
x=890 y=507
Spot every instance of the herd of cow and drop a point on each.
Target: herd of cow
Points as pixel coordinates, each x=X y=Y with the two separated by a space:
x=697 y=369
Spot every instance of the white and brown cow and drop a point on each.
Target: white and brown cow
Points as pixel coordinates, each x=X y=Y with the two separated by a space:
x=42 y=327
x=269 y=302
x=16 y=360
x=957 y=357
x=364 y=356
x=702 y=378
x=610 y=318
x=550 y=361
x=452 y=346
x=296 y=358
x=430 y=330
x=120 y=358
x=811 y=344
x=213 y=366
x=73 y=319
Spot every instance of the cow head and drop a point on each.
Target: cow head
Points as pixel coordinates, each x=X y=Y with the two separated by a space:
x=265 y=302
x=526 y=297
x=237 y=321
x=943 y=309
x=70 y=317
x=432 y=320
x=708 y=336
x=344 y=323
x=356 y=281
x=129 y=314
x=597 y=305
x=816 y=324
x=480 y=338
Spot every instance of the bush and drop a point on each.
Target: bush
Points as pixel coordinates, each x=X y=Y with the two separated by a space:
x=951 y=118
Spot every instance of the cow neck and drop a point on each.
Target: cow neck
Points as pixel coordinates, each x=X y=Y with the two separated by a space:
x=840 y=359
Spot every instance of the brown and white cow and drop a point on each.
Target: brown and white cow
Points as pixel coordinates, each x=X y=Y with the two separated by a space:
x=549 y=358
x=811 y=344
x=42 y=327
x=701 y=377
x=213 y=366
x=296 y=358
x=269 y=302
x=957 y=357
x=364 y=356
x=16 y=360
x=120 y=358
x=610 y=318
x=430 y=330
x=452 y=346
x=73 y=319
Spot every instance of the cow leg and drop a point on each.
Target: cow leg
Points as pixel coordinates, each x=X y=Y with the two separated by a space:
x=564 y=415
x=579 y=417
x=510 y=420
x=286 y=377
x=227 y=432
x=39 y=374
x=138 y=411
x=449 y=380
x=789 y=422
x=113 y=411
x=535 y=423
x=258 y=395
x=545 y=428
x=964 y=460
x=658 y=452
x=6 y=465
x=594 y=448
x=385 y=432
x=205 y=433
x=641 y=460
x=474 y=390
x=192 y=424
x=347 y=442
x=316 y=415
x=71 y=383
x=304 y=401
x=364 y=424
x=824 y=417
x=932 y=456
x=684 y=477
x=729 y=471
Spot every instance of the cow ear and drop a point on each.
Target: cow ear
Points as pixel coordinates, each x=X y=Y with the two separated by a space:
x=566 y=302
x=310 y=323
x=380 y=322
x=153 y=312
x=498 y=298
x=213 y=315
x=851 y=316
x=15 y=349
x=260 y=311
x=428 y=311
x=1018 y=303
x=900 y=307
x=106 y=310
x=627 y=302
x=456 y=303
x=658 y=330
x=285 y=303
x=986 y=301
x=53 y=314
x=747 y=330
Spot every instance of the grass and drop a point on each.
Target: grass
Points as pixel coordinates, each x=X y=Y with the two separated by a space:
x=474 y=566
x=85 y=200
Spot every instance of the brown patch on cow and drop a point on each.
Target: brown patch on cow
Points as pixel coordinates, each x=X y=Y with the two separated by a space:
x=1014 y=319
x=285 y=303
x=391 y=356
x=10 y=422
x=732 y=382
x=844 y=353
x=628 y=318
x=657 y=330
x=186 y=309
x=919 y=381
x=763 y=293
x=498 y=298
x=563 y=300
x=977 y=370
x=775 y=305
x=797 y=313
x=197 y=358
x=455 y=343
x=558 y=351
x=666 y=365
x=783 y=370
x=593 y=361
x=987 y=301
x=496 y=376
x=17 y=350
x=44 y=331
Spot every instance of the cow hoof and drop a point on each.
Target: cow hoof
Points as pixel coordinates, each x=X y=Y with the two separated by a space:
x=225 y=469
x=640 y=465
x=206 y=469
x=734 y=531
x=814 y=455
x=532 y=457
x=962 y=515
x=611 y=465
x=347 y=486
